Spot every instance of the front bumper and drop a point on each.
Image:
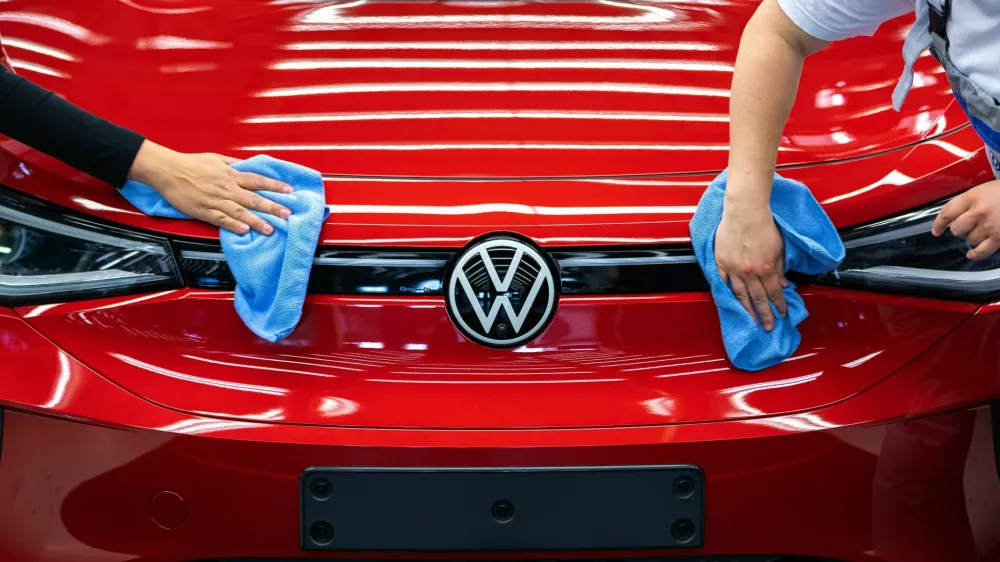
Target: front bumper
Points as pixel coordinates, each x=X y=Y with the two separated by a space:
x=918 y=490
x=903 y=471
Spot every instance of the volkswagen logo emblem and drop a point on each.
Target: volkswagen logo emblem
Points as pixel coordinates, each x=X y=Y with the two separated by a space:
x=501 y=292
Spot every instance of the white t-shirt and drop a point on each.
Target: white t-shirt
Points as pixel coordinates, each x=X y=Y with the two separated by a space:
x=973 y=29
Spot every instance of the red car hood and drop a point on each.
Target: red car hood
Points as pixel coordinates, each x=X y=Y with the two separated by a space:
x=389 y=94
x=507 y=89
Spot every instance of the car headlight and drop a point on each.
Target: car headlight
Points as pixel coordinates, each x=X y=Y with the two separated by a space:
x=49 y=256
x=901 y=255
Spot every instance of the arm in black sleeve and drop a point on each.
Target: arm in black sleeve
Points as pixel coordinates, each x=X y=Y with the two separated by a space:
x=42 y=120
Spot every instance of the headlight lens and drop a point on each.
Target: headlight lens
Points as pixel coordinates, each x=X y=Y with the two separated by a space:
x=47 y=256
x=901 y=255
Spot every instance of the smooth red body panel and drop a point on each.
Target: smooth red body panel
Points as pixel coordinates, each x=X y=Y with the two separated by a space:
x=504 y=89
x=865 y=467
x=400 y=362
x=411 y=90
x=381 y=212
x=155 y=427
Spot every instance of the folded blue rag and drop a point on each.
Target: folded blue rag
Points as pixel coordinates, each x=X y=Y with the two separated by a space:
x=271 y=272
x=812 y=246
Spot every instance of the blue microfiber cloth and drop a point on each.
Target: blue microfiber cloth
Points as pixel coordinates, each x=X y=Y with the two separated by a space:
x=812 y=246
x=271 y=272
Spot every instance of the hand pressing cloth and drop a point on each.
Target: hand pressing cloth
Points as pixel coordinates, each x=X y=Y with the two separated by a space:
x=812 y=246
x=271 y=272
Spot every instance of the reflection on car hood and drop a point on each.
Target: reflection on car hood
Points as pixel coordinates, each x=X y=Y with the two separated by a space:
x=483 y=89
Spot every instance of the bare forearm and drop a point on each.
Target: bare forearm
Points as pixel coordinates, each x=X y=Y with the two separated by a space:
x=748 y=246
x=765 y=83
x=764 y=87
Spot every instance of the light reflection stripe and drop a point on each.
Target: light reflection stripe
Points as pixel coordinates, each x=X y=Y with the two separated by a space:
x=612 y=240
x=313 y=23
x=421 y=381
x=404 y=115
x=59 y=25
x=457 y=210
x=298 y=362
x=894 y=178
x=482 y=369
x=619 y=87
x=39 y=68
x=610 y=262
x=165 y=11
x=661 y=183
x=135 y=300
x=332 y=16
x=65 y=376
x=38 y=48
x=950 y=148
x=503 y=46
x=862 y=360
x=616 y=360
x=488 y=146
x=257 y=367
x=671 y=365
x=605 y=64
x=769 y=385
x=254 y=388
x=201 y=426
x=471 y=373
x=688 y=373
x=173 y=42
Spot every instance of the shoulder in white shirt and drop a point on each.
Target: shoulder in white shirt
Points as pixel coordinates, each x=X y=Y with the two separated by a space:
x=974 y=29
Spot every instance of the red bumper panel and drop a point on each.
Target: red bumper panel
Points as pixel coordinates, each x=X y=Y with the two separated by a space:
x=121 y=478
x=917 y=490
x=400 y=363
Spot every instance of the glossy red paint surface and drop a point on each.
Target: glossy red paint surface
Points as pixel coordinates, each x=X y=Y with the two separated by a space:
x=374 y=212
x=957 y=372
x=870 y=467
x=456 y=88
x=543 y=89
x=156 y=428
x=400 y=362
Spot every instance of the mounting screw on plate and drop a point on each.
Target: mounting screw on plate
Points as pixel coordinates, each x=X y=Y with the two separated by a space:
x=682 y=530
x=684 y=487
x=321 y=532
x=321 y=488
x=503 y=511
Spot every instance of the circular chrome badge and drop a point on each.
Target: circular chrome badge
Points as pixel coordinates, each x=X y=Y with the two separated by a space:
x=501 y=292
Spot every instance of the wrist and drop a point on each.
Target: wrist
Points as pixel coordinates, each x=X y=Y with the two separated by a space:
x=747 y=201
x=749 y=187
x=151 y=164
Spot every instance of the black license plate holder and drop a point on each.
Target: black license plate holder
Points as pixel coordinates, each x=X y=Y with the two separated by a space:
x=502 y=509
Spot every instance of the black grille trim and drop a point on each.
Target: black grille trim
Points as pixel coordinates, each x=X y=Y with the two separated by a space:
x=408 y=272
x=686 y=558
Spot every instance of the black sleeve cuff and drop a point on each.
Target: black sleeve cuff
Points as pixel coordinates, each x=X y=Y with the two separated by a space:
x=42 y=120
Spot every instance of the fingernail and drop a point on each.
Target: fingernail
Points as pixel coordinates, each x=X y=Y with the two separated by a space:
x=244 y=229
x=268 y=229
x=284 y=213
x=767 y=326
x=286 y=189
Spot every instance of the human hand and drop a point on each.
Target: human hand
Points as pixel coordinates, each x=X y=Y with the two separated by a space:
x=205 y=187
x=975 y=216
x=749 y=253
